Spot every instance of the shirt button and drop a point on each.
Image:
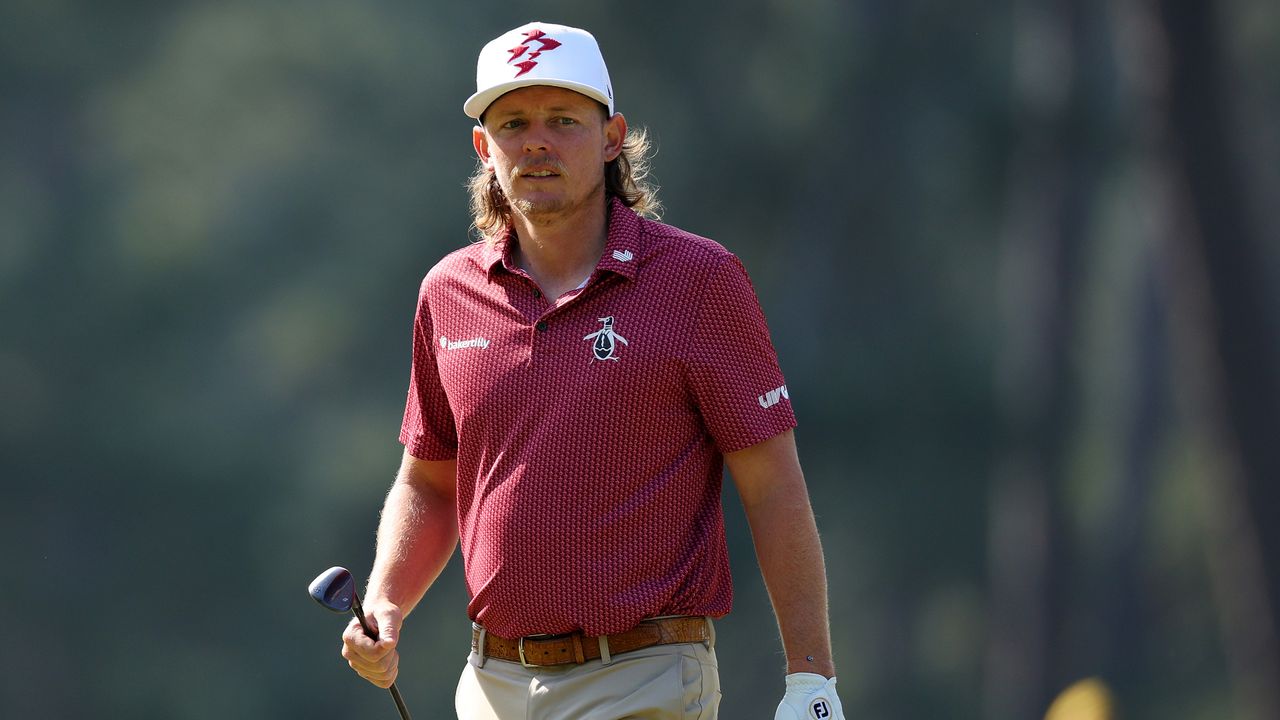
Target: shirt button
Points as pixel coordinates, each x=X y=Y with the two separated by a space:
x=542 y=325
x=537 y=293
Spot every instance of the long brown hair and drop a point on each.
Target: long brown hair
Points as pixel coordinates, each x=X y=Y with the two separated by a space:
x=626 y=177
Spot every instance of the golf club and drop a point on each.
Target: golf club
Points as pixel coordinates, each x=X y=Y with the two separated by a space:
x=335 y=589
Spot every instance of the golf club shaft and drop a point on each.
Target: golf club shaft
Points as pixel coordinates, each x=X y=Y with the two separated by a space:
x=358 y=610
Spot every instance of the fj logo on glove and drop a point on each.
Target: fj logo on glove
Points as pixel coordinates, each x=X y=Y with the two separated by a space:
x=606 y=341
x=820 y=709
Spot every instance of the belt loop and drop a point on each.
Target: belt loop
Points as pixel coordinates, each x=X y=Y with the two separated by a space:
x=605 y=657
x=480 y=649
x=711 y=635
x=578 y=655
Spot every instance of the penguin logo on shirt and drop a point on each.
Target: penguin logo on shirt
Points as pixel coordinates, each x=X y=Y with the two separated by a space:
x=606 y=341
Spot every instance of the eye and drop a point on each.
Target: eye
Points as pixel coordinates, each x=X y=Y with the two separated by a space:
x=512 y=124
x=565 y=121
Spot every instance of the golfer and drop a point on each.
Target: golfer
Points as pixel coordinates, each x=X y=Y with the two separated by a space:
x=580 y=378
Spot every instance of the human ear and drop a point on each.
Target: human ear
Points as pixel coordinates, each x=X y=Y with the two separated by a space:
x=480 y=140
x=615 y=131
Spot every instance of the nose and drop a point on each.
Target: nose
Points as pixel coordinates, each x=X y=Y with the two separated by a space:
x=535 y=141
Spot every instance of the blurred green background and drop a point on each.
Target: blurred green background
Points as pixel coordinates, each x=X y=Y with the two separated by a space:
x=1019 y=260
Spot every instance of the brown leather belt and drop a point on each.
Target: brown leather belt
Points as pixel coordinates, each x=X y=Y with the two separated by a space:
x=576 y=648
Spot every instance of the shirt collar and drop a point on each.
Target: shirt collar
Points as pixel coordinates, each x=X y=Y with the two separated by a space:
x=497 y=252
x=621 y=248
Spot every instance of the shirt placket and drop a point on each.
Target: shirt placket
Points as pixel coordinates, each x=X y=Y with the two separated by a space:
x=543 y=313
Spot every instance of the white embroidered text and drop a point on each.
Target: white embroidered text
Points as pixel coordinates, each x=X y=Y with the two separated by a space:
x=447 y=344
x=773 y=397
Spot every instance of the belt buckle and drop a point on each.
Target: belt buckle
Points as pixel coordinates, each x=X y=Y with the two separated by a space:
x=520 y=647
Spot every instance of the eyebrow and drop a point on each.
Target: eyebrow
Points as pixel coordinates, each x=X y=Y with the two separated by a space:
x=554 y=109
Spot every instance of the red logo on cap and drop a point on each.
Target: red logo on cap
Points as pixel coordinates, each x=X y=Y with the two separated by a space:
x=530 y=61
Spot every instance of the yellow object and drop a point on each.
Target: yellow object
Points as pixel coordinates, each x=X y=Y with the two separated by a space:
x=1088 y=699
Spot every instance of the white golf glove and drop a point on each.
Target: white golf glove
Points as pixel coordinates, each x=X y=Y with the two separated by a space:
x=809 y=697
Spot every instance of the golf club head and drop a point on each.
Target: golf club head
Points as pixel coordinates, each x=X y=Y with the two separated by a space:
x=335 y=589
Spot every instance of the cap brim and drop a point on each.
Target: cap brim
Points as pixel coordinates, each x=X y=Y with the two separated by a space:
x=476 y=104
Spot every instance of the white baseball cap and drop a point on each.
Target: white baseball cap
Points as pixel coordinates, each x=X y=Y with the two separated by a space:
x=540 y=54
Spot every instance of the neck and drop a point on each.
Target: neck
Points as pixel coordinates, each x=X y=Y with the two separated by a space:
x=559 y=251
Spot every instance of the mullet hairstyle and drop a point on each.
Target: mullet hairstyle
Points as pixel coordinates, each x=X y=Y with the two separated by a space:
x=626 y=177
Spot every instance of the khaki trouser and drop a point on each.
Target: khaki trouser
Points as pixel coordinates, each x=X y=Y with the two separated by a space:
x=663 y=682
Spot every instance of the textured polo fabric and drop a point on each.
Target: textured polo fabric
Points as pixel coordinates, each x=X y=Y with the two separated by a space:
x=589 y=429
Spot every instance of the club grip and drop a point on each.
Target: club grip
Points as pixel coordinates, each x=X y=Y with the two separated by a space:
x=358 y=610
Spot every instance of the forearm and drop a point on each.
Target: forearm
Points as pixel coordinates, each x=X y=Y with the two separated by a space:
x=417 y=533
x=790 y=555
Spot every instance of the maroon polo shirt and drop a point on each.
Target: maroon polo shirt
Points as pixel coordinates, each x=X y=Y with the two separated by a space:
x=589 y=430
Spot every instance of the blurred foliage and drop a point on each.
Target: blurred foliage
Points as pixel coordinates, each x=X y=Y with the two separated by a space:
x=214 y=218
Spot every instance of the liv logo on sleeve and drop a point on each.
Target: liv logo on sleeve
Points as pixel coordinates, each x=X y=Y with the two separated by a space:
x=773 y=397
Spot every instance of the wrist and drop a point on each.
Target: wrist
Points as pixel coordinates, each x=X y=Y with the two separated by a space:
x=377 y=602
x=811 y=664
x=379 y=592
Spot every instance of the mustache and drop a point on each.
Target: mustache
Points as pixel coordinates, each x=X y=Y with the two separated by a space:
x=543 y=163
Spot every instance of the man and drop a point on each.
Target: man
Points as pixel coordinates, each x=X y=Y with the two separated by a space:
x=579 y=381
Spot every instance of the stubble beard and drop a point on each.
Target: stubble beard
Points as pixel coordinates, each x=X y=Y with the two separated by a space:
x=533 y=209
x=548 y=209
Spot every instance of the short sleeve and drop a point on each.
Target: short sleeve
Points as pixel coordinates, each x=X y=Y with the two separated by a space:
x=732 y=368
x=427 y=431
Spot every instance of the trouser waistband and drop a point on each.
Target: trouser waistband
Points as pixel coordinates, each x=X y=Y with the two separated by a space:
x=575 y=648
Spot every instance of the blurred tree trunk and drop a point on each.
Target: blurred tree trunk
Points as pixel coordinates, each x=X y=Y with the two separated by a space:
x=1119 y=602
x=1227 y=320
x=1051 y=184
